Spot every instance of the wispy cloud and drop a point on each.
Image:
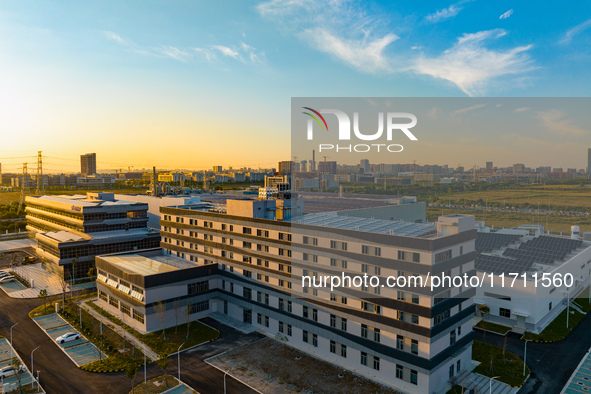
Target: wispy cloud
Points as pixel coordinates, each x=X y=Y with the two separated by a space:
x=368 y=42
x=578 y=29
x=470 y=65
x=522 y=109
x=365 y=55
x=468 y=109
x=226 y=51
x=444 y=14
x=243 y=52
x=173 y=53
x=112 y=36
x=283 y=7
x=557 y=120
x=506 y=14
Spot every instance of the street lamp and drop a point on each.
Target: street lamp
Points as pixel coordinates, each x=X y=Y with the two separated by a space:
x=490 y=384
x=178 y=352
x=11 y=349
x=32 y=367
x=567 y=308
x=225 y=379
x=144 y=362
x=525 y=356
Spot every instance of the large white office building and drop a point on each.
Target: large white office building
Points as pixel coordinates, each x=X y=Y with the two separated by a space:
x=240 y=260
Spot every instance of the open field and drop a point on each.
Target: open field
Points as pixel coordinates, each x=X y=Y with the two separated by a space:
x=554 y=197
x=556 y=224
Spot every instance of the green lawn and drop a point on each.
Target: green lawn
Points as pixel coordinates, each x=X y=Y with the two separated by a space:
x=457 y=389
x=499 y=329
x=584 y=304
x=557 y=330
x=156 y=385
x=198 y=334
x=509 y=369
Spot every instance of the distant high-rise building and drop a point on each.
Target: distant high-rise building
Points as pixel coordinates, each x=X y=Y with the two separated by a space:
x=285 y=167
x=589 y=161
x=88 y=164
x=217 y=169
x=365 y=165
x=518 y=168
x=489 y=165
x=327 y=167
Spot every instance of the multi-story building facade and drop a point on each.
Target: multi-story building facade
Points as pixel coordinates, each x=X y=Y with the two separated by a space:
x=74 y=229
x=132 y=285
x=88 y=164
x=413 y=339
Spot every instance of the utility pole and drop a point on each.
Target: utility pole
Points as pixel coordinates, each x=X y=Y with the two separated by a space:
x=40 y=188
x=22 y=201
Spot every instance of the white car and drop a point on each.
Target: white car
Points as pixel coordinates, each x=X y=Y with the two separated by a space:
x=3 y=274
x=7 y=279
x=9 y=371
x=70 y=336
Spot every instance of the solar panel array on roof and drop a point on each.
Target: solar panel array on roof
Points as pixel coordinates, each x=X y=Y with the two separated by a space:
x=544 y=249
x=499 y=265
x=330 y=219
x=486 y=242
x=541 y=250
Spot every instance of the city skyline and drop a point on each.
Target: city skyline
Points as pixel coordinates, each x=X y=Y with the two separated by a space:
x=163 y=85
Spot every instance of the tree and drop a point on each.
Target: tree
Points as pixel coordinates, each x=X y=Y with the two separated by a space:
x=64 y=286
x=188 y=316
x=160 y=309
x=17 y=365
x=177 y=310
x=162 y=363
x=43 y=296
x=91 y=272
x=131 y=372
x=484 y=310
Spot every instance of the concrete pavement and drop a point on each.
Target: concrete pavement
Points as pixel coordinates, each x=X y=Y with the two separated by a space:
x=16 y=244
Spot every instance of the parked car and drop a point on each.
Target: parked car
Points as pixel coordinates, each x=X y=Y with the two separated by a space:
x=9 y=371
x=3 y=274
x=7 y=279
x=70 y=336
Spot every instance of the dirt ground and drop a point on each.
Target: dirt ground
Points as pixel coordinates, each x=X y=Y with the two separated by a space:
x=272 y=367
x=17 y=257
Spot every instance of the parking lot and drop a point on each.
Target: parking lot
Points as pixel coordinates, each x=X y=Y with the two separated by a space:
x=11 y=287
x=5 y=361
x=79 y=351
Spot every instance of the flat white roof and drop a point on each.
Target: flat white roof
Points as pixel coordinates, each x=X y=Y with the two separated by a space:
x=83 y=201
x=148 y=265
x=63 y=236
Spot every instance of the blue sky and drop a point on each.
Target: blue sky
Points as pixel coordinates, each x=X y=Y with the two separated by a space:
x=196 y=83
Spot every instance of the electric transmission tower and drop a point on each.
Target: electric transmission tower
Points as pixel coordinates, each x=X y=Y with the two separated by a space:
x=23 y=183
x=40 y=187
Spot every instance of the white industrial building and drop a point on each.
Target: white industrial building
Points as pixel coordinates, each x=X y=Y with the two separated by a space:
x=524 y=304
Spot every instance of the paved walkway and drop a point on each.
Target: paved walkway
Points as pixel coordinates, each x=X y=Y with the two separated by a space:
x=151 y=354
x=40 y=278
x=481 y=384
x=16 y=244
x=234 y=323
